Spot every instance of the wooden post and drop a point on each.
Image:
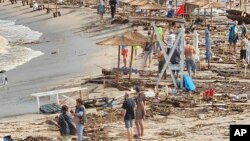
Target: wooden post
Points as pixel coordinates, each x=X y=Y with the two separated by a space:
x=211 y=16
x=119 y=56
x=81 y=95
x=240 y=5
x=175 y=5
x=245 y=5
x=131 y=61
x=205 y=12
x=230 y=3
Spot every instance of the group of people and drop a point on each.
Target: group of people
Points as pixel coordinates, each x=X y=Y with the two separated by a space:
x=233 y=38
x=134 y=109
x=101 y=8
x=71 y=123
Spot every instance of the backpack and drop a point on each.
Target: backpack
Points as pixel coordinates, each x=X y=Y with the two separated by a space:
x=64 y=127
x=84 y=119
x=67 y=126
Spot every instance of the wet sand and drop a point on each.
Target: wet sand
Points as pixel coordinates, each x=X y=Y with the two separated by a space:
x=76 y=56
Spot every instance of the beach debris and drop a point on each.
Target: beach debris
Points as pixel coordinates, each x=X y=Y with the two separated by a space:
x=99 y=102
x=239 y=98
x=55 y=52
x=50 y=108
x=31 y=138
x=120 y=20
x=171 y=133
x=6 y=138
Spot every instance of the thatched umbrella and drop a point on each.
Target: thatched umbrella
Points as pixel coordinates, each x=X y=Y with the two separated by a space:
x=135 y=3
x=150 y=6
x=212 y=5
x=126 y=1
x=140 y=39
x=118 y=41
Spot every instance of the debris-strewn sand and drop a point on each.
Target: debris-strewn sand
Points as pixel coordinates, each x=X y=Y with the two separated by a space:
x=75 y=34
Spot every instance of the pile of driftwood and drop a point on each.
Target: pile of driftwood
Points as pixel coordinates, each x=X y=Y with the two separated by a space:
x=240 y=16
x=116 y=80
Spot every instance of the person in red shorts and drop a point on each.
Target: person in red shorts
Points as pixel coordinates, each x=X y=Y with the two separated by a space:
x=125 y=55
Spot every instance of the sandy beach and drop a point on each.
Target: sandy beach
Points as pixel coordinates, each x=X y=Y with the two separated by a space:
x=70 y=54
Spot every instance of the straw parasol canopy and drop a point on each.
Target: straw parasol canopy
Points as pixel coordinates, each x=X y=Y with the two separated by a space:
x=117 y=41
x=150 y=6
x=198 y=3
x=127 y=1
x=213 y=5
x=136 y=36
x=141 y=3
x=138 y=2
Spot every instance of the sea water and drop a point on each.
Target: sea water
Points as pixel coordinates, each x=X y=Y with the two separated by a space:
x=13 y=52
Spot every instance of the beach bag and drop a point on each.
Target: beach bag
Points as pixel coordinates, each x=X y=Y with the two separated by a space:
x=84 y=119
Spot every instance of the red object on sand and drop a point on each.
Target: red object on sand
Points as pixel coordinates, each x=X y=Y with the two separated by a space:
x=181 y=10
x=209 y=92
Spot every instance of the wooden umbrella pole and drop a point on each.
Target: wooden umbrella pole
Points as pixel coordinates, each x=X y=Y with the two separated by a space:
x=230 y=3
x=211 y=16
x=119 y=56
x=205 y=11
x=245 y=5
x=131 y=61
x=240 y=5
x=175 y=5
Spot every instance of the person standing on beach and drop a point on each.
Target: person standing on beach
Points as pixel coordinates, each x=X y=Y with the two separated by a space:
x=80 y=118
x=140 y=112
x=112 y=4
x=125 y=55
x=161 y=62
x=190 y=60
x=66 y=124
x=244 y=30
x=148 y=51
x=101 y=9
x=169 y=40
x=243 y=48
x=128 y=114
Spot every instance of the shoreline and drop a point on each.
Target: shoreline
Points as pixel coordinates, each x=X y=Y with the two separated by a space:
x=49 y=71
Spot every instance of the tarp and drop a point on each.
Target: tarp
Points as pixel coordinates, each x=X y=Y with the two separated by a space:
x=181 y=10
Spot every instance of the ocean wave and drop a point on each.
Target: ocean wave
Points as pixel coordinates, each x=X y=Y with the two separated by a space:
x=18 y=33
x=12 y=53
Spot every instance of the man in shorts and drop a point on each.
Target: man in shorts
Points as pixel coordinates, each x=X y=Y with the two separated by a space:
x=128 y=113
x=190 y=61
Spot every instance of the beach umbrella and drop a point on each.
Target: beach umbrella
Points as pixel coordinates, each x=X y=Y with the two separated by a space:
x=211 y=5
x=134 y=35
x=208 y=52
x=140 y=39
x=119 y=41
x=135 y=3
x=196 y=44
x=150 y=6
x=126 y=1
